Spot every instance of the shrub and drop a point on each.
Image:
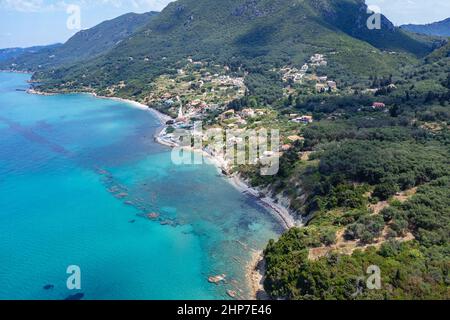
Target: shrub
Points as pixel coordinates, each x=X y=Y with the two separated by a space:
x=386 y=190
x=400 y=226
x=328 y=237
x=366 y=229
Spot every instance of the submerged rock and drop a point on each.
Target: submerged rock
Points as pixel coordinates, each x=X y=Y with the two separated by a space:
x=217 y=279
x=114 y=189
x=153 y=215
x=167 y=223
x=232 y=293
x=102 y=172
x=76 y=296
x=121 y=195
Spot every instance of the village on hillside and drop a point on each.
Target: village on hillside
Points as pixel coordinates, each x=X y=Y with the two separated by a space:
x=307 y=75
x=199 y=92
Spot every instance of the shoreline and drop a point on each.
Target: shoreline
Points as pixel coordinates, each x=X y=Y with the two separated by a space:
x=255 y=275
x=255 y=268
x=280 y=212
x=283 y=214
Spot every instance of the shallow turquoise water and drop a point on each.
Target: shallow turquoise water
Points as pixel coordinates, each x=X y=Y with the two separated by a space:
x=76 y=175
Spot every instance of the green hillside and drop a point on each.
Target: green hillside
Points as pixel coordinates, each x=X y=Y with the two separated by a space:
x=85 y=44
x=367 y=169
x=440 y=54
x=13 y=53
x=249 y=35
x=441 y=28
x=376 y=190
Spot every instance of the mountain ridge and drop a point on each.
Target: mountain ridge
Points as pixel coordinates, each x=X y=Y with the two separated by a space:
x=254 y=35
x=85 y=44
x=439 y=28
x=12 y=53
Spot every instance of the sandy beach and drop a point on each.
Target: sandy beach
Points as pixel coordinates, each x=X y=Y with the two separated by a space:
x=162 y=117
x=284 y=216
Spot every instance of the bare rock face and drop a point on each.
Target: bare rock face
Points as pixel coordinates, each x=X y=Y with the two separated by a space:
x=324 y=7
x=362 y=19
x=252 y=9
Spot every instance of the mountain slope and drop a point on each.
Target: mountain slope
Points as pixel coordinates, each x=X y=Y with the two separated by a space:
x=12 y=53
x=405 y=236
x=84 y=44
x=441 y=53
x=441 y=28
x=253 y=35
x=351 y=18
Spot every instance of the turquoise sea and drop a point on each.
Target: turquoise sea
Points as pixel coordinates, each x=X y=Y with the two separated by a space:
x=77 y=176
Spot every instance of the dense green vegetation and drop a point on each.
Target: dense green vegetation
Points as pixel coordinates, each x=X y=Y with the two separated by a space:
x=417 y=269
x=10 y=54
x=248 y=36
x=354 y=157
x=379 y=163
x=361 y=158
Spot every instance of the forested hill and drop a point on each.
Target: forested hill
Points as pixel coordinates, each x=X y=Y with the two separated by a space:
x=13 y=53
x=376 y=186
x=441 y=28
x=85 y=44
x=363 y=116
x=250 y=35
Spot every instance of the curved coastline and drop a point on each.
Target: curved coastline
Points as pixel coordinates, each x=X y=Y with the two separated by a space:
x=255 y=268
x=281 y=213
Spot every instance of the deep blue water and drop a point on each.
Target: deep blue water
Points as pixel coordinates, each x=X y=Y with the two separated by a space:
x=78 y=173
